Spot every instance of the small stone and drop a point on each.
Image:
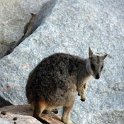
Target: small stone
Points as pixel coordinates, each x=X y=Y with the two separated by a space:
x=15 y=118
x=3 y=112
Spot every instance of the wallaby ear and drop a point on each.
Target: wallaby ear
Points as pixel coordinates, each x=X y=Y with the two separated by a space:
x=104 y=56
x=90 y=52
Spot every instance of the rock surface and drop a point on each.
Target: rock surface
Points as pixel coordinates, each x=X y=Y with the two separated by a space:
x=14 y=16
x=22 y=114
x=18 y=114
x=72 y=27
x=103 y=117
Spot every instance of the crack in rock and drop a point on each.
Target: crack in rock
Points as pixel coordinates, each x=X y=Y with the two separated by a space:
x=35 y=21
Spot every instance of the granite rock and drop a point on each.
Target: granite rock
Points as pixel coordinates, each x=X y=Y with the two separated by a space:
x=72 y=27
x=17 y=114
x=14 y=16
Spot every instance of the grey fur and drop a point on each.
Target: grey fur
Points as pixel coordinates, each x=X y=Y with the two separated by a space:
x=57 y=79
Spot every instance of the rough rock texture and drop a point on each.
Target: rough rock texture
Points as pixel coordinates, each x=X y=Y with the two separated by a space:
x=73 y=26
x=21 y=114
x=103 y=117
x=18 y=114
x=108 y=117
x=14 y=16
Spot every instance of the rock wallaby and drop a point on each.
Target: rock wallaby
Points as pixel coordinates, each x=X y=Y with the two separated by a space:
x=57 y=79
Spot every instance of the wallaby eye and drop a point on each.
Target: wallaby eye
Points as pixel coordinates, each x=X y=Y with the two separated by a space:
x=92 y=66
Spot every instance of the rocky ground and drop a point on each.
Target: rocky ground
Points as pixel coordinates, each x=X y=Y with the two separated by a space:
x=72 y=27
x=22 y=114
x=17 y=114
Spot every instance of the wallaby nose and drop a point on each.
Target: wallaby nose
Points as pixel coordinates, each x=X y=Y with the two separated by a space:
x=83 y=99
x=97 y=76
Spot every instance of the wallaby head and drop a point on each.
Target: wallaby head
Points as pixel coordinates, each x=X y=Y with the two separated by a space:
x=96 y=63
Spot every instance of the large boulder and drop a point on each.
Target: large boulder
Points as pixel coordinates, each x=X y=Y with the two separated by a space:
x=72 y=27
x=14 y=16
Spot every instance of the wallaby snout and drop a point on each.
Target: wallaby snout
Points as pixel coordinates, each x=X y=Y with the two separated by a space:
x=83 y=99
x=97 y=76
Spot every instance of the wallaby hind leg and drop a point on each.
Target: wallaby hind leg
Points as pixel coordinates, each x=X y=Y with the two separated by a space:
x=38 y=109
x=66 y=115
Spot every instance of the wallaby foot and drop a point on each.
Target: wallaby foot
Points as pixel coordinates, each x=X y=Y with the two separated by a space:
x=38 y=109
x=66 y=115
x=70 y=122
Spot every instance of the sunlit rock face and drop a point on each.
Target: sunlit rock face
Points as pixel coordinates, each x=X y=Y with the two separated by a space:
x=72 y=27
x=14 y=16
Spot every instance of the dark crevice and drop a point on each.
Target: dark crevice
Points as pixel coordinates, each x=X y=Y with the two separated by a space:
x=35 y=21
x=3 y=102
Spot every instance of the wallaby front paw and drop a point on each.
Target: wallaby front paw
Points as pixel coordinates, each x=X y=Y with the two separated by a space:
x=70 y=122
